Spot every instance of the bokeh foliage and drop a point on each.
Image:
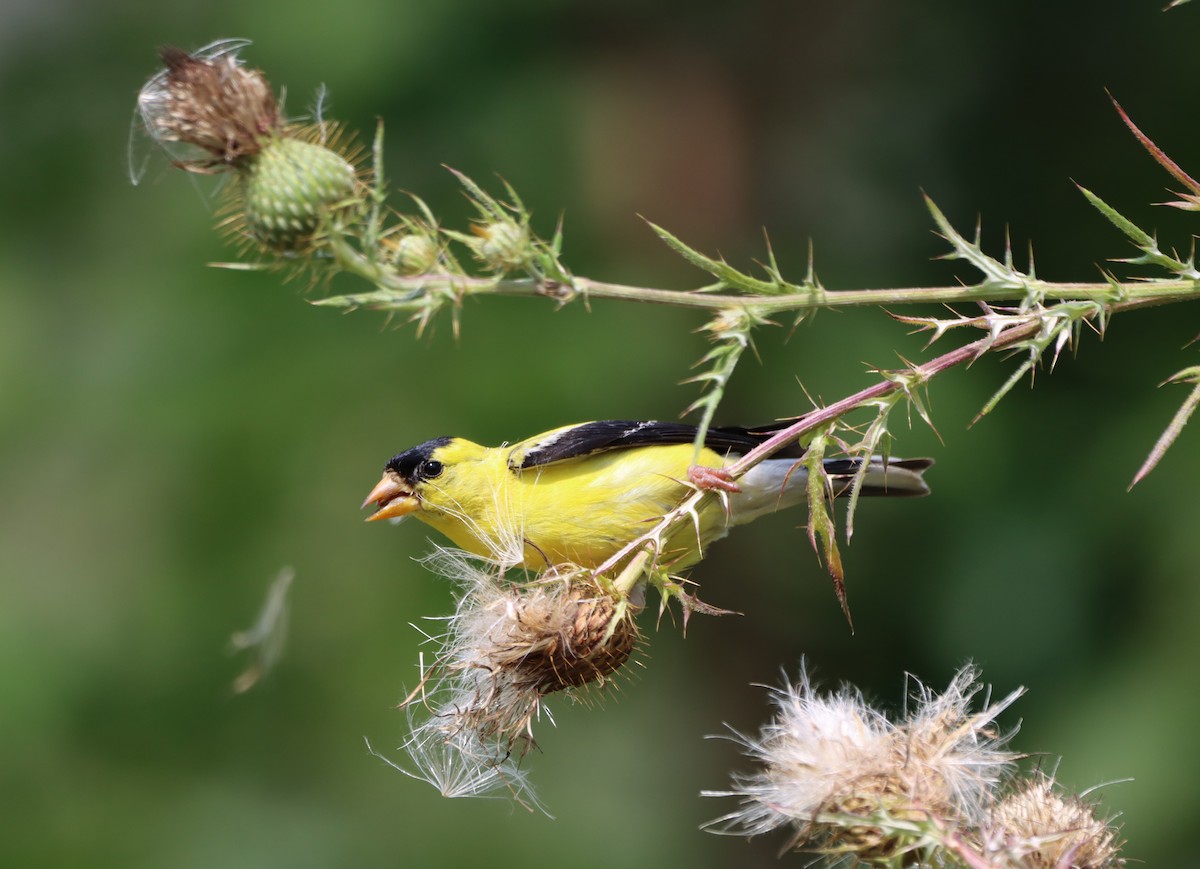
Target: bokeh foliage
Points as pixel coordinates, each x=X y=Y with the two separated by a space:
x=173 y=434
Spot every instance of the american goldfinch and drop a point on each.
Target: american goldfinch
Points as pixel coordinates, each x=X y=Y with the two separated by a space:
x=579 y=493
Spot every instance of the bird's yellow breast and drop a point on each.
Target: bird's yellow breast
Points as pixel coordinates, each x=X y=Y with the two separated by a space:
x=579 y=511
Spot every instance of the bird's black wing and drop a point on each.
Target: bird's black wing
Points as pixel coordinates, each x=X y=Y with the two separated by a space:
x=590 y=438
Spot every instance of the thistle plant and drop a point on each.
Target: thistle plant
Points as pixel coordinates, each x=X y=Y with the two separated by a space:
x=214 y=115
x=296 y=203
x=939 y=786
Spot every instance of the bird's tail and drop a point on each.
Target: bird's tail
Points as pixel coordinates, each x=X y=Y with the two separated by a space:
x=777 y=483
x=896 y=478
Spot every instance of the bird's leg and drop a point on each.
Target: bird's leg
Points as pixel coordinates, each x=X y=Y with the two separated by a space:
x=710 y=479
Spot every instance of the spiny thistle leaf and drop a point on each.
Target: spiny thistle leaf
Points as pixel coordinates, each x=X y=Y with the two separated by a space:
x=821 y=525
x=1058 y=327
x=1167 y=438
x=1141 y=239
x=1191 y=201
x=488 y=206
x=730 y=330
x=876 y=441
x=1006 y=388
x=726 y=274
x=995 y=273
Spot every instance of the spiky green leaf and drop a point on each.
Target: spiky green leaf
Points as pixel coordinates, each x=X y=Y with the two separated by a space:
x=1178 y=421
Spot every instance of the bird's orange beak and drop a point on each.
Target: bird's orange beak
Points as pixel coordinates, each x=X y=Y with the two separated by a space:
x=393 y=499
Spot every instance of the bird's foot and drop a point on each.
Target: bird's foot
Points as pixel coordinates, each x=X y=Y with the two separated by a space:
x=710 y=479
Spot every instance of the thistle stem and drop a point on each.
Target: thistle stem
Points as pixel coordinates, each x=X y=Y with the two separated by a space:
x=397 y=292
x=632 y=574
x=649 y=542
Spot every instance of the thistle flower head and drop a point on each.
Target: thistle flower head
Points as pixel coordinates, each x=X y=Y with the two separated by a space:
x=506 y=649
x=848 y=780
x=1046 y=829
x=955 y=757
x=288 y=189
x=214 y=115
x=209 y=102
x=559 y=632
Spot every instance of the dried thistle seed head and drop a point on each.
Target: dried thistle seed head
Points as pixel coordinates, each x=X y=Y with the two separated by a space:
x=584 y=640
x=558 y=636
x=813 y=753
x=505 y=648
x=211 y=102
x=890 y=819
x=288 y=189
x=949 y=757
x=508 y=646
x=501 y=245
x=848 y=780
x=1047 y=829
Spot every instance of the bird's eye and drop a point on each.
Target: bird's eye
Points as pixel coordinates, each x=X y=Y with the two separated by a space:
x=431 y=469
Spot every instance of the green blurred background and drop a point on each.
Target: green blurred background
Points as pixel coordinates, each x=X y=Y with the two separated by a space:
x=173 y=434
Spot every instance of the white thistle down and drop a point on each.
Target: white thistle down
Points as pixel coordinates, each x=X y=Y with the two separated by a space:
x=847 y=779
x=505 y=648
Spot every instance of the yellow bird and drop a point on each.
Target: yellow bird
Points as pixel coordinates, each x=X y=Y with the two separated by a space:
x=579 y=493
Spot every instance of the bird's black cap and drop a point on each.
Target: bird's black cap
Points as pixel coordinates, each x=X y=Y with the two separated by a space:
x=408 y=463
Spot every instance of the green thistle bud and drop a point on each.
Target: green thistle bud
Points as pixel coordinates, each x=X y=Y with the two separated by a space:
x=413 y=254
x=288 y=187
x=502 y=245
